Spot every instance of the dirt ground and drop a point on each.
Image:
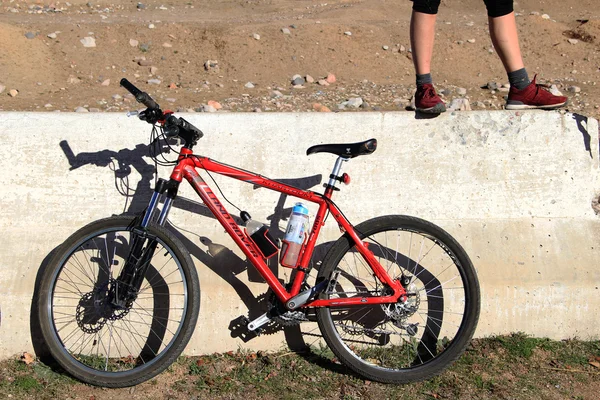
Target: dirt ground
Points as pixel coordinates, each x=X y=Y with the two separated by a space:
x=163 y=46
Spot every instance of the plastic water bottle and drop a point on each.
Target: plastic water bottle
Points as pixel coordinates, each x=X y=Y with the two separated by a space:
x=294 y=236
x=260 y=235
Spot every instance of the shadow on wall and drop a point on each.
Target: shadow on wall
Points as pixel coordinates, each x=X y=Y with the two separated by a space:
x=218 y=257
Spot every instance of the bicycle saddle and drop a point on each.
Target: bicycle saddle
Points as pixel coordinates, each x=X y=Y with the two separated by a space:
x=349 y=150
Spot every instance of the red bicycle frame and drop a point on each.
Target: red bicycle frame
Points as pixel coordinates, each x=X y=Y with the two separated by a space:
x=186 y=169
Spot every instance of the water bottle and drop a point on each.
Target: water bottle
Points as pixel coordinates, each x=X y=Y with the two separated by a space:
x=260 y=235
x=294 y=236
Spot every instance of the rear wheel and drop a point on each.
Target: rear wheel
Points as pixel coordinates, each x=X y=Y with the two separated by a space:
x=406 y=341
x=116 y=345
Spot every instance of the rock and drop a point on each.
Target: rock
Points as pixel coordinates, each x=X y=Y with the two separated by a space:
x=574 y=89
x=461 y=91
x=471 y=40
x=106 y=82
x=211 y=64
x=554 y=90
x=141 y=6
x=402 y=49
x=330 y=78
x=354 y=102
x=73 y=80
x=48 y=105
x=323 y=82
x=154 y=82
x=153 y=70
x=286 y=31
x=492 y=86
x=215 y=104
x=298 y=81
x=117 y=97
x=2 y=88
x=348 y=33
x=309 y=79
x=573 y=41
x=172 y=85
x=151 y=26
x=52 y=35
x=276 y=94
x=81 y=110
x=385 y=47
x=545 y=16
x=145 y=47
x=13 y=92
x=249 y=85
x=167 y=45
x=88 y=41
x=207 y=108
x=318 y=107
x=257 y=110
x=460 y=105
x=256 y=36
x=30 y=35
x=144 y=63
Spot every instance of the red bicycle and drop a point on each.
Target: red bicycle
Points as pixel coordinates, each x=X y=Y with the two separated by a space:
x=396 y=298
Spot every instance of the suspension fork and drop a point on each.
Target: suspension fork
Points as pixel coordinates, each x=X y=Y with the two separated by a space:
x=143 y=245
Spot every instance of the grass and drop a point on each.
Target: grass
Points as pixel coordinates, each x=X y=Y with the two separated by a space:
x=514 y=366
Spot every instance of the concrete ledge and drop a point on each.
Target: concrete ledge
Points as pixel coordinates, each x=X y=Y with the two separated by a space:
x=515 y=189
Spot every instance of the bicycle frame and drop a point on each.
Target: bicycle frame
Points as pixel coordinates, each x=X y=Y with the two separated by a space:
x=186 y=169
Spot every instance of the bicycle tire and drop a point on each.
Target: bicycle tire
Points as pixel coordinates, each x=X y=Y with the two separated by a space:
x=387 y=343
x=91 y=339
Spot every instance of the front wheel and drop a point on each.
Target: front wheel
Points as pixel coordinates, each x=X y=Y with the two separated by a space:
x=99 y=340
x=407 y=341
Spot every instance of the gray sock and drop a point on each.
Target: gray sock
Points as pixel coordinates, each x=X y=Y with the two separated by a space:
x=519 y=78
x=423 y=79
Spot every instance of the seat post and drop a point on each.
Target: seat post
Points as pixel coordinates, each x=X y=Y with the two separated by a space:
x=336 y=171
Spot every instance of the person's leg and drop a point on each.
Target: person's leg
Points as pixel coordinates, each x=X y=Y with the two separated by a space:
x=503 y=32
x=523 y=94
x=422 y=35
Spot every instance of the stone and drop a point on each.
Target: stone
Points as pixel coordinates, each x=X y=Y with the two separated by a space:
x=211 y=64
x=52 y=35
x=88 y=41
x=167 y=45
x=323 y=82
x=354 y=102
x=207 y=108
x=573 y=41
x=471 y=40
x=330 y=78
x=153 y=70
x=172 y=85
x=144 y=63
x=256 y=36
x=81 y=110
x=459 y=105
x=545 y=16
x=348 y=33
x=13 y=92
x=554 y=90
x=106 y=82
x=385 y=47
x=2 y=88
x=276 y=94
x=215 y=104
x=249 y=85
x=117 y=97
x=286 y=31
x=30 y=35
x=151 y=26
x=140 y=6
x=154 y=81
x=309 y=79
x=492 y=86
x=318 y=107
x=574 y=89
x=461 y=91
x=298 y=81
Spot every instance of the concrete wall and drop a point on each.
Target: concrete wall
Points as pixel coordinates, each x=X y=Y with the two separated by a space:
x=515 y=189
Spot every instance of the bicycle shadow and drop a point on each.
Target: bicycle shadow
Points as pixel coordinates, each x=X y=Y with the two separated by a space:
x=219 y=258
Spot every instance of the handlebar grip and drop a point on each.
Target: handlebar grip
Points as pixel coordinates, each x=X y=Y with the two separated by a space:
x=141 y=97
x=130 y=87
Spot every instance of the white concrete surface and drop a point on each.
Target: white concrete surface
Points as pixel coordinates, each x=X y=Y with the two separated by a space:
x=515 y=189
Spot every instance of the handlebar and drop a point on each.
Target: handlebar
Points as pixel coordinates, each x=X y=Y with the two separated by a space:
x=141 y=97
x=172 y=126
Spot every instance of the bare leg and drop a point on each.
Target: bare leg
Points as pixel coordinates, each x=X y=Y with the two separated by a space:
x=503 y=31
x=422 y=34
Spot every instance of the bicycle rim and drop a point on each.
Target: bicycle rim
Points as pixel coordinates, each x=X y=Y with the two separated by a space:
x=113 y=341
x=409 y=340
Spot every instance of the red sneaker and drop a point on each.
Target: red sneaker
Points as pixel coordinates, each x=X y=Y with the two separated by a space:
x=427 y=100
x=533 y=96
